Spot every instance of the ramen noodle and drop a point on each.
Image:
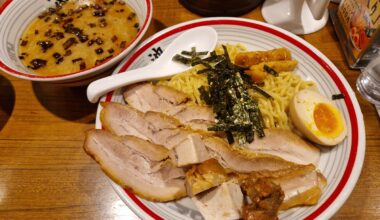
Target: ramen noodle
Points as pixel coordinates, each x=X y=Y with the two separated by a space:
x=274 y=111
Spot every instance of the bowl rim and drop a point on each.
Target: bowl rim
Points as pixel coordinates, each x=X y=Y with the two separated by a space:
x=90 y=71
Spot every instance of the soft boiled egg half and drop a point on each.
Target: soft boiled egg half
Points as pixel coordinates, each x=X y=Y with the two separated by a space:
x=317 y=118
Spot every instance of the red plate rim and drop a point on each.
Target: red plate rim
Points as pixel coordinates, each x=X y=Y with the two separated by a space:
x=256 y=25
x=30 y=76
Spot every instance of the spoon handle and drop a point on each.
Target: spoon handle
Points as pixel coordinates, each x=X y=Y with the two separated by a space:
x=100 y=87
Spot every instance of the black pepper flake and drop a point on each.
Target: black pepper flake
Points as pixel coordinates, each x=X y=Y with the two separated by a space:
x=67 y=53
x=69 y=42
x=70 y=28
x=83 y=38
x=99 y=41
x=36 y=32
x=57 y=20
x=24 y=43
x=56 y=55
x=99 y=51
x=37 y=63
x=110 y=50
x=122 y=10
x=59 y=3
x=80 y=9
x=102 y=22
x=52 y=10
x=97 y=62
x=82 y=66
x=24 y=54
x=131 y=16
x=90 y=42
x=45 y=45
x=48 y=33
x=43 y=15
x=67 y=21
x=99 y=13
x=123 y=44
x=59 y=60
x=114 y=38
x=21 y=57
x=77 y=60
x=96 y=6
x=47 y=19
x=62 y=14
x=136 y=25
x=92 y=25
x=58 y=35
x=70 y=12
x=111 y=2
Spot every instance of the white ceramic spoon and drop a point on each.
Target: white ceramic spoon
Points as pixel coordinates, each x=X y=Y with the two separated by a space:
x=202 y=38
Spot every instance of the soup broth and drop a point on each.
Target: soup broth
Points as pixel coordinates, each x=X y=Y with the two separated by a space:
x=70 y=38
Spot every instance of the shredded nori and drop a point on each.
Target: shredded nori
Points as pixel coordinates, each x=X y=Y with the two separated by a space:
x=270 y=70
x=237 y=113
x=262 y=92
x=337 y=96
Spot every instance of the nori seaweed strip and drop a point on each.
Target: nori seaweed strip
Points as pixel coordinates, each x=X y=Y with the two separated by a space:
x=237 y=113
x=191 y=54
x=181 y=59
x=270 y=70
x=205 y=95
x=262 y=92
x=337 y=96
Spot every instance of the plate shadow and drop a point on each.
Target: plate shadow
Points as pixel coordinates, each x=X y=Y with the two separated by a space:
x=69 y=103
x=7 y=100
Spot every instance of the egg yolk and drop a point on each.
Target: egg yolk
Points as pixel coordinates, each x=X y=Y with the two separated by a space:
x=326 y=119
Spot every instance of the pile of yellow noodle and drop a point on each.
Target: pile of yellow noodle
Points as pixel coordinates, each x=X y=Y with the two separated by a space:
x=274 y=111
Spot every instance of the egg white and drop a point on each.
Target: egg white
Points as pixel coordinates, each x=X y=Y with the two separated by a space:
x=302 y=115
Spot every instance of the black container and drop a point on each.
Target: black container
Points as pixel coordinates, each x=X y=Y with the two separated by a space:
x=220 y=7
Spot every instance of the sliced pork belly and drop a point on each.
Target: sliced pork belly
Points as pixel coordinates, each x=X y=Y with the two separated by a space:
x=124 y=120
x=136 y=164
x=205 y=176
x=194 y=112
x=147 y=97
x=242 y=160
x=287 y=145
x=302 y=185
x=163 y=130
x=223 y=203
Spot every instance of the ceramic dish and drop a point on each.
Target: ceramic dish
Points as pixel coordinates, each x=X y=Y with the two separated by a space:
x=15 y=15
x=341 y=165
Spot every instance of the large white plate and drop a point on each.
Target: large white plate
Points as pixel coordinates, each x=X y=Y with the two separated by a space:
x=340 y=165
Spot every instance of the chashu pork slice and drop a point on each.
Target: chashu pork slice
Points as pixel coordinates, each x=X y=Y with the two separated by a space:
x=136 y=164
x=163 y=130
x=302 y=185
x=205 y=176
x=147 y=97
x=286 y=145
x=243 y=160
x=156 y=127
x=124 y=120
x=224 y=202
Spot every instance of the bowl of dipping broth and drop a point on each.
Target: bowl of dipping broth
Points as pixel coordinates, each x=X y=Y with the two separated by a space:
x=69 y=42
